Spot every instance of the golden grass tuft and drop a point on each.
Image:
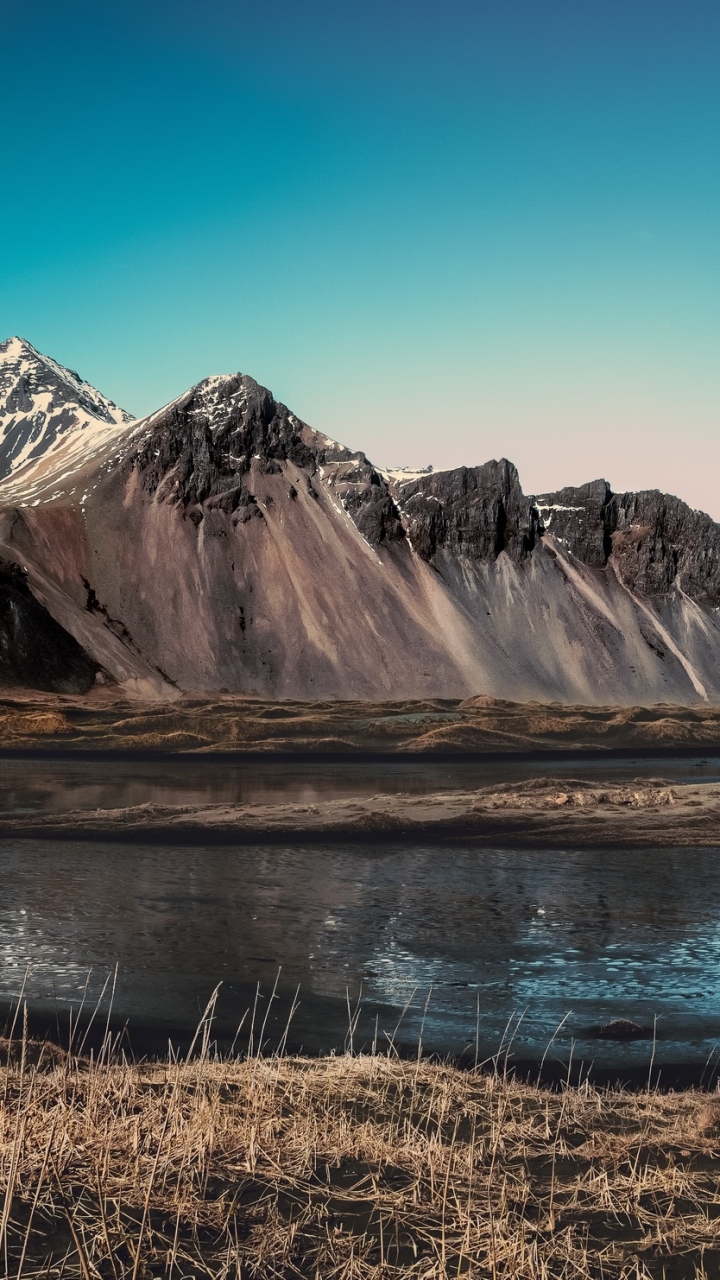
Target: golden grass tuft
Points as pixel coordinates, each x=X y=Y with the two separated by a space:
x=347 y=1167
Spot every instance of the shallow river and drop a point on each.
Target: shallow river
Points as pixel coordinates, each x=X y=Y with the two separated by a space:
x=463 y=940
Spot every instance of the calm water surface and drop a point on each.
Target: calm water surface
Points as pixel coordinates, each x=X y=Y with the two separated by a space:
x=35 y=786
x=451 y=942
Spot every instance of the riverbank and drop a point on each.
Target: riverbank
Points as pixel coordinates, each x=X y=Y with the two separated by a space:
x=105 y=722
x=541 y=812
x=346 y=1166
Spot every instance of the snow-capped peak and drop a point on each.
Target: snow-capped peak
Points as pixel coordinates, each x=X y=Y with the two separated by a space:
x=50 y=418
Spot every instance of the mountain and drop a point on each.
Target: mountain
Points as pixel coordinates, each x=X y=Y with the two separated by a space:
x=49 y=416
x=222 y=544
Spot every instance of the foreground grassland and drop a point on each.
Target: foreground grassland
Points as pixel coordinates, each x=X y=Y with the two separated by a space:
x=346 y=1167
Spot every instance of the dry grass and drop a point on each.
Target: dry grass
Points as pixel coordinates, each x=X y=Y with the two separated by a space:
x=106 y=719
x=345 y=1167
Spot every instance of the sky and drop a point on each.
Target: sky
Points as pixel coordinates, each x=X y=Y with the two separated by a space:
x=441 y=231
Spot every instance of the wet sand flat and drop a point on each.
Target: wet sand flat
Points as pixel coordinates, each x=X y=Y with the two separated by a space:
x=539 y=812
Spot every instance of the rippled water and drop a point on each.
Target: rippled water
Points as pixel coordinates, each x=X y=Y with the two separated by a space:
x=466 y=938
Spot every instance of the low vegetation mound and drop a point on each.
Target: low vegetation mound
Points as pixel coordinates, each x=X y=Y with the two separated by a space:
x=346 y=1167
x=107 y=721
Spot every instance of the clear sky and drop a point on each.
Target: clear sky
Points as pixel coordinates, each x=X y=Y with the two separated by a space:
x=440 y=230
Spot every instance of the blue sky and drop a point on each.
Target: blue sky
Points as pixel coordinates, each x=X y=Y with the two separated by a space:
x=441 y=232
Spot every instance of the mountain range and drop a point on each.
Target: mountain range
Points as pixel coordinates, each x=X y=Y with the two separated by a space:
x=223 y=545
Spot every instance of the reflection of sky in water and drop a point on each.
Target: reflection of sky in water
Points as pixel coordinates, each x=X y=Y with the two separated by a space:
x=43 y=969
x=686 y=969
x=488 y=934
x=652 y=972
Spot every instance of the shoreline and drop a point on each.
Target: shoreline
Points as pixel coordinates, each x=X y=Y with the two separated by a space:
x=142 y=1041
x=351 y=755
x=541 y=813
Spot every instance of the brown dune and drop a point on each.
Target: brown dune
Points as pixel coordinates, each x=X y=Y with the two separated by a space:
x=102 y=721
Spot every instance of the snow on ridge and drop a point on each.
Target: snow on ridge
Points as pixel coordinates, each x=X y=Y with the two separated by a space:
x=52 y=422
x=64 y=469
x=215 y=380
x=20 y=360
x=60 y=447
x=407 y=475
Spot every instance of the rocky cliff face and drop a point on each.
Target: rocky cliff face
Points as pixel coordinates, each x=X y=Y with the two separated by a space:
x=656 y=543
x=222 y=543
x=476 y=512
x=581 y=519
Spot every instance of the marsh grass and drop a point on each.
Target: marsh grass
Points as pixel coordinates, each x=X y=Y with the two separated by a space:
x=349 y=1166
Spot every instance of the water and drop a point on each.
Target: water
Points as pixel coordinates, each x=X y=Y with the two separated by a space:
x=450 y=943
x=41 y=786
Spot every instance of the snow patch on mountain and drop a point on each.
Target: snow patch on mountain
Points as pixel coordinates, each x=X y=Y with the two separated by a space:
x=52 y=422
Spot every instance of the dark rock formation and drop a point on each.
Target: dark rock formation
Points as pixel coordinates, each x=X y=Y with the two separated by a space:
x=198 y=450
x=655 y=540
x=200 y=447
x=471 y=511
x=658 y=541
x=365 y=495
x=35 y=651
x=583 y=519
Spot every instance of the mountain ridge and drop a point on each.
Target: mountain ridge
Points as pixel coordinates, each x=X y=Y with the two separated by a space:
x=51 y=420
x=221 y=543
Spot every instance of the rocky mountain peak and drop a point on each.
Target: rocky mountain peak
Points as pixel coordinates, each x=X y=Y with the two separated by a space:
x=200 y=446
x=215 y=545
x=198 y=450
x=42 y=403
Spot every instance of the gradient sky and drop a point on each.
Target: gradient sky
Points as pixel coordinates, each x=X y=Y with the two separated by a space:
x=440 y=231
